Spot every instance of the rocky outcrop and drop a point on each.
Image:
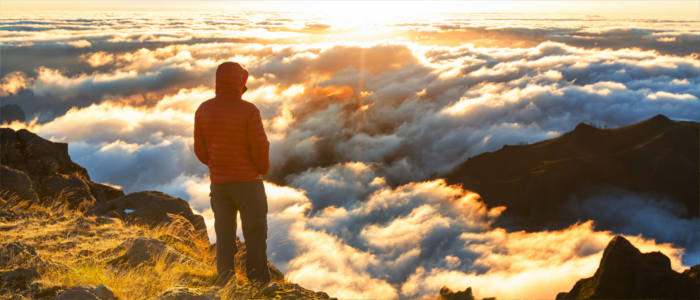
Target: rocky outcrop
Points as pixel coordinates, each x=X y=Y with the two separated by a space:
x=626 y=273
x=51 y=172
x=40 y=170
x=447 y=294
x=155 y=208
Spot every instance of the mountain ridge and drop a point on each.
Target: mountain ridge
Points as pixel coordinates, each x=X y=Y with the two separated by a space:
x=657 y=156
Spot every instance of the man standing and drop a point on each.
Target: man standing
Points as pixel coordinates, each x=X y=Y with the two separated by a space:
x=230 y=139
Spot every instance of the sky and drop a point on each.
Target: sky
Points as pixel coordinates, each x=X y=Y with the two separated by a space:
x=366 y=105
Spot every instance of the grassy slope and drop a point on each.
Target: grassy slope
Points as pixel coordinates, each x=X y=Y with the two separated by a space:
x=79 y=247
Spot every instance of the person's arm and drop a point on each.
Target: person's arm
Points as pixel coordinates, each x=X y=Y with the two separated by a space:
x=200 y=148
x=259 y=145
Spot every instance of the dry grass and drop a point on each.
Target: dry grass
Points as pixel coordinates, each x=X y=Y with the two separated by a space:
x=76 y=249
x=76 y=245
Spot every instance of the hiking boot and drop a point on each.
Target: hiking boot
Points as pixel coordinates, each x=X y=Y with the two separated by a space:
x=259 y=278
x=224 y=278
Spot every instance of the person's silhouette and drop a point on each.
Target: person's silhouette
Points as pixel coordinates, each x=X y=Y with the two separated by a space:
x=230 y=139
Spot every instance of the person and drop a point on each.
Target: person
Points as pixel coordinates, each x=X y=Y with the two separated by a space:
x=230 y=139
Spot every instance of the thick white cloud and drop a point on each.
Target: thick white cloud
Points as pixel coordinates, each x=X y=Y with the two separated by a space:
x=411 y=240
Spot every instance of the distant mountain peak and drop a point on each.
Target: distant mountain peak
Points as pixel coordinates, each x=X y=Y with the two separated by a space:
x=583 y=128
x=661 y=118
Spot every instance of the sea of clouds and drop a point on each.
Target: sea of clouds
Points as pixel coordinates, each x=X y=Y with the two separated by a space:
x=358 y=128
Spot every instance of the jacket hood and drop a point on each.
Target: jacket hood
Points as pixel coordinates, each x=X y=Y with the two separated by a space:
x=230 y=78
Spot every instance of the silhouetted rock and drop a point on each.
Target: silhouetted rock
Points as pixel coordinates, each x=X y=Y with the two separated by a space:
x=50 y=169
x=10 y=113
x=626 y=273
x=16 y=182
x=142 y=250
x=152 y=208
x=447 y=294
x=535 y=182
x=36 y=156
x=86 y=292
x=17 y=280
x=693 y=273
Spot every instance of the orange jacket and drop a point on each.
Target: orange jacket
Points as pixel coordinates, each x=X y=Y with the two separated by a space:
x=228 y=132
x=230 y=139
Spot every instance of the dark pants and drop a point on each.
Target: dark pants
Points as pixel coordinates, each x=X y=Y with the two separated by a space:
x=249 y=198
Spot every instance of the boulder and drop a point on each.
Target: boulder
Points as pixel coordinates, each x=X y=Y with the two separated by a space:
x=144 y=251
x=17 y=280
x=152 y=208
x=16 y=182
x=86 y=292
x=626 y=273
x=447 y=294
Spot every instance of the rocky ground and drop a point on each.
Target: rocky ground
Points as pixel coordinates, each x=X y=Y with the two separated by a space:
x=63 y=236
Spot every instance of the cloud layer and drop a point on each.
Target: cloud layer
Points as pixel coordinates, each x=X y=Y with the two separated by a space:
x=362 y=127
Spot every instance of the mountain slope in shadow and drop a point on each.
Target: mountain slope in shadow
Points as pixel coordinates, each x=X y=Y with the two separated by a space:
x=538 y=182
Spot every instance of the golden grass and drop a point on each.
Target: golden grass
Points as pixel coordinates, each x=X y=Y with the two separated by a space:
x=78 y=245
x=78 y=249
